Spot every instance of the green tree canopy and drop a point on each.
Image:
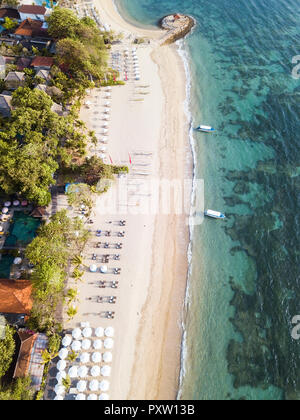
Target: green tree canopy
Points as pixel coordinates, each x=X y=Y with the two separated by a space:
x=7 y=349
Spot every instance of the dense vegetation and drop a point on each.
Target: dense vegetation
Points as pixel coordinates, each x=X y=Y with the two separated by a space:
x=51 y=252
x=7 y=349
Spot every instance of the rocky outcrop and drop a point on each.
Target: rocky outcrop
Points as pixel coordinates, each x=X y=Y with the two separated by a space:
x=177 y=27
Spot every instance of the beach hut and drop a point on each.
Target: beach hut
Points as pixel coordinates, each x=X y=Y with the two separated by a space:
x=82 y=372
x=99 y=332
x=81 y=386
x=103 y=396
x=87 y=332
x=86 y=344
x=63 y=353
x=104 y=385
x=108 y=343
x=80 y=397
x=96 y=357
x=76 y=345
x=61 y=365
x=94 y=385
x=105 y=370
x=73 y=372
x=92 y=397
x=66 y=341
x=84 y=357
x=109 y=332
x=107 y=357
x=95 y=371
x=97 y=344
x=76 y=333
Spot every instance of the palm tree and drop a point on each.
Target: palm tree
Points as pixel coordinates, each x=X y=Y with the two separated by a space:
x=71 y=312
x=77 y=274
x=77 y=260
x=47 y=356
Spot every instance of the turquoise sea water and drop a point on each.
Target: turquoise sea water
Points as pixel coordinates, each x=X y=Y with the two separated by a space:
x=244 y=286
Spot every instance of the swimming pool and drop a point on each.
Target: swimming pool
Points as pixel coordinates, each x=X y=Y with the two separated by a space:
x=22 y=230
x=6 y=262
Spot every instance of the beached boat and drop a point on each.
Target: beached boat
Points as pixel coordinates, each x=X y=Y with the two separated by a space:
x=214 y=214
x=205 y=128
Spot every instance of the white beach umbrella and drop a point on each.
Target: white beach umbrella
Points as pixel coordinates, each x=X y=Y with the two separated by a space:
x=109 y=343
x=108 y=88
x=94 y=385
x=104 y=386
x=59 y=389
x=84 y=358
x=108 y=95
x=82 y=371
x=107 y=357
x=88 y=103
x=17 y=260
x=81 y=386
x=87 y=332
x=95 y=371
x=105 y=370
x=58 y=398
x=102 y=156
x=60 y=376
x=7 y=204
x=86 y=344
x=105 y=117
x=73 y=372
x=61 y=365
x=76 y=345
x=76 y=333
x=92 y=397
x=99 y=332
x=105 y=124
x=107 y=103
x=80 y=397
x=93 y=268
x=16 y=203
x=103 y=149
x=104 y=131
x=107 y=109
x=103 y=396
x=97 y=344
x=103 y=269
x=96 y=357
x=84 y=324
x=63 y=353
x=109 y=332
x=5 y=210
x=67 y=340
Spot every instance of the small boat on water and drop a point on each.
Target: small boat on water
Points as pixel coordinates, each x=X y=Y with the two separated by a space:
x=214 y=214
x=205 y=128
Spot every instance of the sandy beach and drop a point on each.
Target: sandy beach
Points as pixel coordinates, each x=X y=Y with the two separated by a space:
x=148 y=131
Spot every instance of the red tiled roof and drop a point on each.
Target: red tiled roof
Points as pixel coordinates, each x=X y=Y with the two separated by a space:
x=31 y=28
x=42 y=62
x=15 y=296
x=10 y=13
x=27 y=342
x=32 y=9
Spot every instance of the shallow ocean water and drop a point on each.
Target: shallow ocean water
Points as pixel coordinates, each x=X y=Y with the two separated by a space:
x=244 y=286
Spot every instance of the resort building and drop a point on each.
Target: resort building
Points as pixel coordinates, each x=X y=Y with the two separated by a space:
x=5 y=105
x=14 y=79
x=2 y=67
x=30 y=362
x=30 y=28
x=15 y=300
x=10 y=13
x=42 y=63
x=32 y=12
x=23 y=63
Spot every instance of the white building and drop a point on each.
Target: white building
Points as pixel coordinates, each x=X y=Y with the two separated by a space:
x=33 y=12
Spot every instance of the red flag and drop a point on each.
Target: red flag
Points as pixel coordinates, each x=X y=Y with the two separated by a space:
x=129 y=158
x=110 y=159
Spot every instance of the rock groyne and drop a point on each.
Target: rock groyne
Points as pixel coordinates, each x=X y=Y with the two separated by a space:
x=177 y=25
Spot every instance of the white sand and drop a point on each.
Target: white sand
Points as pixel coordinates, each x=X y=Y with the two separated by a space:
x=152 y=283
